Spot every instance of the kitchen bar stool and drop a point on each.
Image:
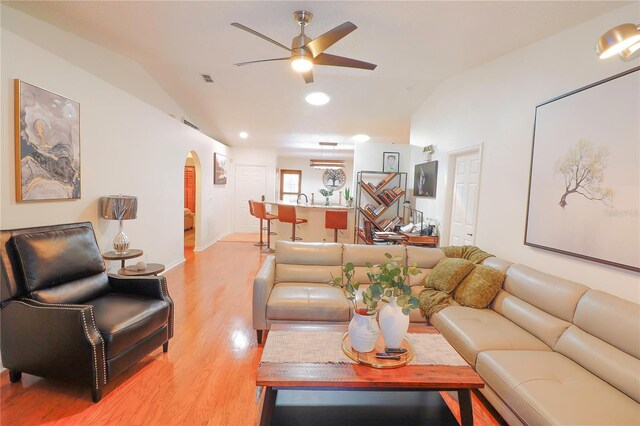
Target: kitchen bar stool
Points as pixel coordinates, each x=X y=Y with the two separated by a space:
x=261 y=213
x=335 y=219
x=259 y=243
x=288 y=214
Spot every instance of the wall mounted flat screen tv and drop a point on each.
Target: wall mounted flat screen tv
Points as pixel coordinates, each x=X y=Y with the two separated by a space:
x=425 y=179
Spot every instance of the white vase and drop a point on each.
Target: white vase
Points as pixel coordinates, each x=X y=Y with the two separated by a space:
x=363 y=332
x=393 y=323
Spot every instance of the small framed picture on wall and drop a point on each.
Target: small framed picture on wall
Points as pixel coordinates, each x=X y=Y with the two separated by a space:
x=391 y=162
x=219 y=169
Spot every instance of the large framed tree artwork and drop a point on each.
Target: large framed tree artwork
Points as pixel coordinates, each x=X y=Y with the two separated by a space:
x=584 y=187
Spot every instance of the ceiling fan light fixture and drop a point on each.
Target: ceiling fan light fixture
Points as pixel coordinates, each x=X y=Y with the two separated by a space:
x=617 y=40
x=361 y=138
x=301 y=64
x=317 y=98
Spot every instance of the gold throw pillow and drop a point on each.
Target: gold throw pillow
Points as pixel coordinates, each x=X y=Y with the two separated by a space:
x=479 y=288
x=448 y=273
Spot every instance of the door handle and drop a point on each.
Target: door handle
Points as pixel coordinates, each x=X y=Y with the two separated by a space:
x=471 y=235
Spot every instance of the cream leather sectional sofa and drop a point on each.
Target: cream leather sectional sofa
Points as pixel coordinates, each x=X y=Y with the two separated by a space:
x=550 y=351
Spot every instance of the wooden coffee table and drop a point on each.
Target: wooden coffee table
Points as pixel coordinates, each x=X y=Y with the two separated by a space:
x=289 y=376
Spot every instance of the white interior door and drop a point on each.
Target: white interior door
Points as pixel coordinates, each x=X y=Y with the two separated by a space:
x=465 y=199
x=251 y=184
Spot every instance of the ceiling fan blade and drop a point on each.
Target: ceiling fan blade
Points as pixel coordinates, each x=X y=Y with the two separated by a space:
x=308 y=76
x=323 y=42
x=341 y=61
x=262 y=36
x=262 y=60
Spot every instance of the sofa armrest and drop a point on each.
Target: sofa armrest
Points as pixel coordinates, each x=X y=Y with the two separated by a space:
x=53 y=340
x=152 y=287
x=262 y=285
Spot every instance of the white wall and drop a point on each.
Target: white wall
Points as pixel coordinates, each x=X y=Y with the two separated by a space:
x=312 y=178
x=120 y=71
x=494 y=105
x=127 y=147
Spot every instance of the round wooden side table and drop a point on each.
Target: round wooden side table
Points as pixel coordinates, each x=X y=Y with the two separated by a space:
x=129 y=254
x=133 y=271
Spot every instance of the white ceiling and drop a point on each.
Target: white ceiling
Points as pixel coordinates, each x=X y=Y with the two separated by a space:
x=415 y=44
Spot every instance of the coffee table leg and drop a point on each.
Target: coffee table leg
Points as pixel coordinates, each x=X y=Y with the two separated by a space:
x=268 y=405
x=466 y=409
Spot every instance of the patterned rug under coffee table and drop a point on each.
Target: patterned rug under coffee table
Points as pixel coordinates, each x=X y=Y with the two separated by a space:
x=319 y=367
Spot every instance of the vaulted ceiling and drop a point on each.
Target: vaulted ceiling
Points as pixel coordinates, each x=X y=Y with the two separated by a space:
x=416 y=45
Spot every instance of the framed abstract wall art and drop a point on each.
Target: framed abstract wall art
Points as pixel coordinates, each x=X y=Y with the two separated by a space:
x=425 y=179
x=219 y=169
x=47 y=145
x=584 y=186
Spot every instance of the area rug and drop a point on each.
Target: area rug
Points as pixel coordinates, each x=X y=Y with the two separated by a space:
x=324 y=347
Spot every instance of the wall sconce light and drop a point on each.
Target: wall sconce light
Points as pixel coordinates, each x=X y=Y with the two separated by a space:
x=623 y=40
x=428 y=151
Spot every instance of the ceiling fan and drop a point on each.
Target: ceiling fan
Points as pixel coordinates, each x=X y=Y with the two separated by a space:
x=305 y=53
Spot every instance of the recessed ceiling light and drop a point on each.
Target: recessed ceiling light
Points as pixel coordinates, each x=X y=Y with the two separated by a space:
x=317 y=98
x=244 y=135
x=361 y=138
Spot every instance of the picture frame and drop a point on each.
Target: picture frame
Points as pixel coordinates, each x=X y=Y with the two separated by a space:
x=219 y=169
x=425 y=179
x=47 y=145
x=583 y=195
x=391 y=162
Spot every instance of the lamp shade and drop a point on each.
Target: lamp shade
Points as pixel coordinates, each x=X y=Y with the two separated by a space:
x=119 y=207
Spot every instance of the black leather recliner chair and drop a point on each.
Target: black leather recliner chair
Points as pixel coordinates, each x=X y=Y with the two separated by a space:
x=64 y=317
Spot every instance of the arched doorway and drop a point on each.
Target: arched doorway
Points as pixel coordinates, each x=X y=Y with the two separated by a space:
x=191 y=202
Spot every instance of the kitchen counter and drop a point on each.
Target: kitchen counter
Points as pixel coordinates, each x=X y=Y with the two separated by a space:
x=310 y=206
x=313 y=230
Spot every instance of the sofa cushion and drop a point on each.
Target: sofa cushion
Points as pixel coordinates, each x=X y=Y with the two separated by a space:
x=544 y=326
x=321 y=254
x=76 y=291
x=51 y=258
x=612 y=365
x=125 y=319
x=309 y=262
x=448 y=273
x=497 y=263
x=302 y=301
x=361 y=254
x=479 y=287
x=425 y=259
x=553 y=295
x=548 y=388
x=610 y=319
x=471 y=331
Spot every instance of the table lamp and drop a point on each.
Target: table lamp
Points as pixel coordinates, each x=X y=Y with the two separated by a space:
x=119 y=207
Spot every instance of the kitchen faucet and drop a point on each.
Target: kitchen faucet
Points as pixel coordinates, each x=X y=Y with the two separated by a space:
x=306 y=200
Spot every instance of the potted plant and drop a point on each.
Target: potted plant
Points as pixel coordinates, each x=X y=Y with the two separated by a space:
x=348 y=197
x=326 y=193
x=393 y=279
x=363 y=328
x=389 y=286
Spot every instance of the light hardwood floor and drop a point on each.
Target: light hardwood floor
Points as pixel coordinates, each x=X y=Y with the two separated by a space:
x=207 y=377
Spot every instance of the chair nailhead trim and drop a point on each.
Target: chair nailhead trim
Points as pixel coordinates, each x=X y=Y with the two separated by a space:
x=81 y=309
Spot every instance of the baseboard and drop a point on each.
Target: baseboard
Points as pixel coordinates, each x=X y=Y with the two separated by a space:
x=174 y=264
x=203 y=248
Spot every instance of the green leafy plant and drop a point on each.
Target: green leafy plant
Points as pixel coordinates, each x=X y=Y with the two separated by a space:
x=347 y=194
x=388 y=279
x=326 y=192
x=393 y=280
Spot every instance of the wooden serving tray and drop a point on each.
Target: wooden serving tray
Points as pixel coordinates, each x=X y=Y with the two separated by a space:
x=369 y=358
